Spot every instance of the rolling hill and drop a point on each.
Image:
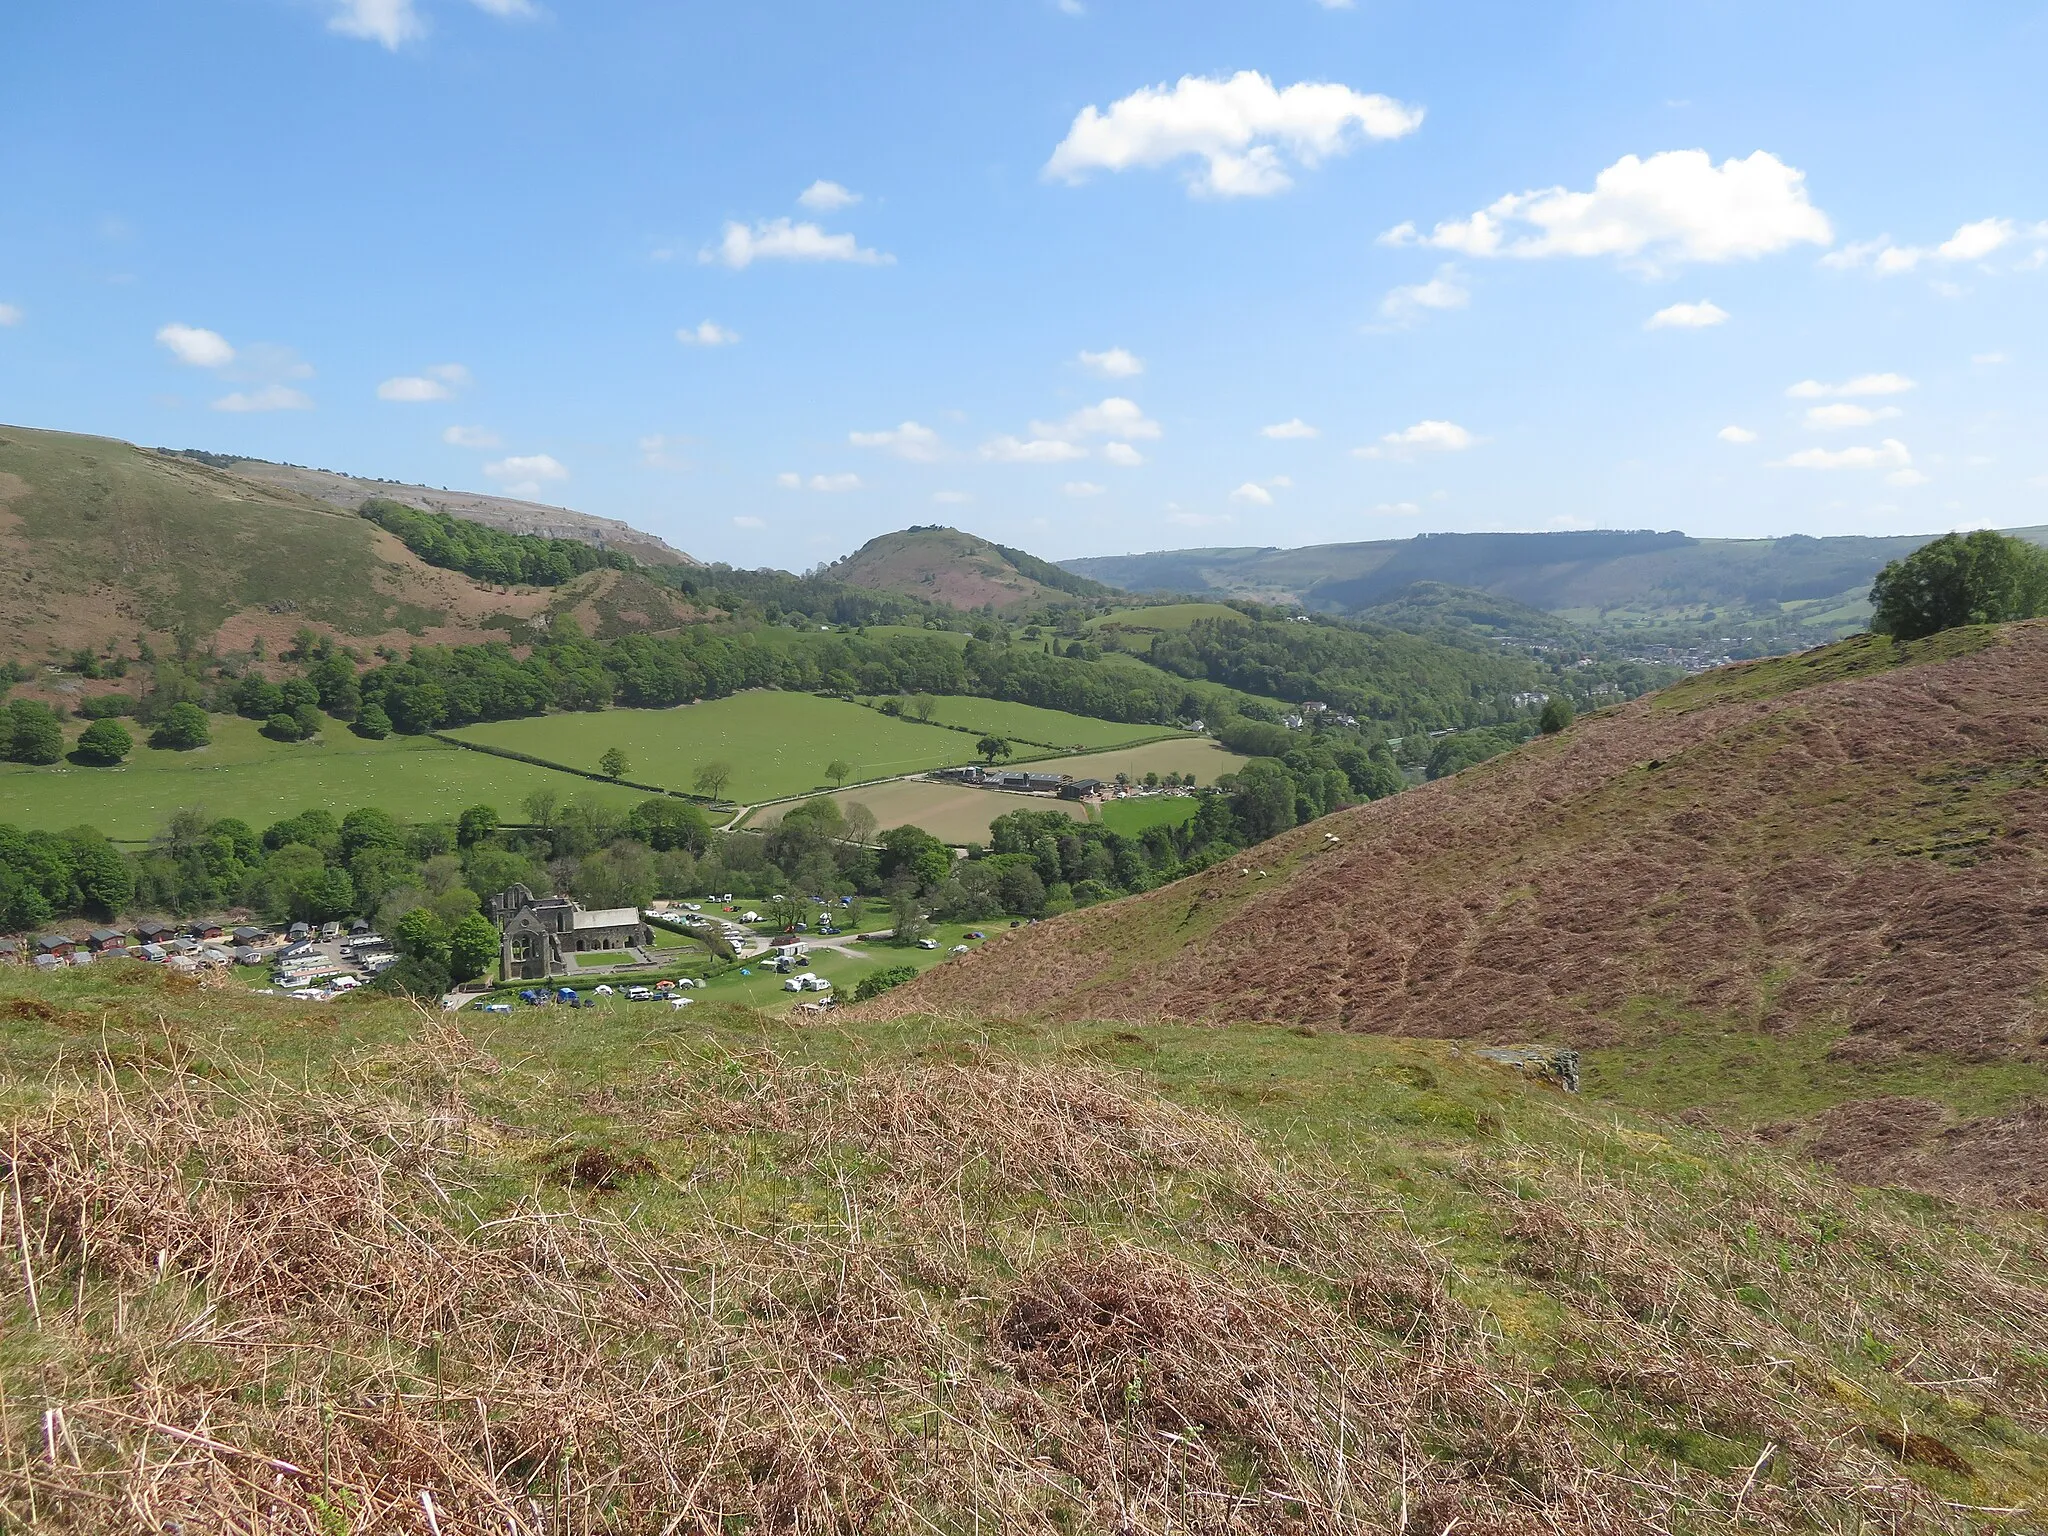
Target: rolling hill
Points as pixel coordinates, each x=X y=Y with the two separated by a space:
x=959 y=570
x=1819 y=587
x=104 y=541
x=1809 y=893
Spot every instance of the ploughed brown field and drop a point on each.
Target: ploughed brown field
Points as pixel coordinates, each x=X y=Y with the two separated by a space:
x=1855 y=839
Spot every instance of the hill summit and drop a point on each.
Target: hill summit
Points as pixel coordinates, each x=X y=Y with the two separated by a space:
x=960 y=570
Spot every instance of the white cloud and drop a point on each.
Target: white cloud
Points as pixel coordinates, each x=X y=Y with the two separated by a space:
x=1889 y=454
x=790 y=482
x=832 y=484
x=1674 y=206
x=707 y=333
x=919 y=444
x=1736 y=435
x=1862 y=384
x=271 y=397
x=750 y=522
x=951 y=498
x=654 y=451
x=1252 y=495
x=1239 y=128
x=413 y=389
x=470 y=437
x=1116 y=363
x=1423 y=437
x=1197 y=519
x=1687 y=317
x=525 y=474
x=389 y=22
x=1071 y=7
x=785 y=240
x=1398 y=509
x=196 y=347
x=827 y=197
x=1286 y=431
x=1906 y=476
x=10 y=314
x=1081 y=488
x=1833 y=418
x=1406 y=305
x=1971 y=242
x=1114 y=417
x=1123 y=455
x=508 y=10
x=1044 y=450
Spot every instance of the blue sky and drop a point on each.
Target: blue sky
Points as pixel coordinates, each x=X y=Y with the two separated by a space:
x=1087 y=276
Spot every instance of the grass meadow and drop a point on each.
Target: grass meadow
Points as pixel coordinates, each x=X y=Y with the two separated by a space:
x=777 y=743
x=1132 y=818
x=1026 y=725
x=953 y=813
x=244 y=773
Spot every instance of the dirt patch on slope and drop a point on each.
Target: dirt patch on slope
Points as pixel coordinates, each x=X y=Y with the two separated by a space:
x=1916 y=1143
x=1870 y=852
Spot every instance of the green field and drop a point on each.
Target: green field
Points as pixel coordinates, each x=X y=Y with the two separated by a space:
x=246 y=774
x=777 y=743
x=1133 y=818
x=953 y=813
x=1023 y=724
x=1168 y=618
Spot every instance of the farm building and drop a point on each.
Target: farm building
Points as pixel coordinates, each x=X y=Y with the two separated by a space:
x=155 y=932
x=541 y=933
x=55 y=946
x=107 y=940
x=1081 y=789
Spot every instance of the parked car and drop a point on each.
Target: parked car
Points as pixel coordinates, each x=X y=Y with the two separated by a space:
x=493 y=1007
x=603 y=989
x=533 y=997
x=638 y=994
x=959 y=949
x=927 y=943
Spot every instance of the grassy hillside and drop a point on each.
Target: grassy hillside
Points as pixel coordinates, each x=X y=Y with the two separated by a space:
x=778 y=743
x=105 y=542
x=357 y=1269
x=1799 y=587
x=247 y=775
x=1828 y=858
x=944 y=565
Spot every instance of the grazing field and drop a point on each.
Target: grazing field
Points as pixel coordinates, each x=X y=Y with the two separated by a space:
x=953 y=813
x=243 y=773
x=1022 y=724
x=1192 y=754
x=1168 y=618
x=1133 y=818
x=777 y=743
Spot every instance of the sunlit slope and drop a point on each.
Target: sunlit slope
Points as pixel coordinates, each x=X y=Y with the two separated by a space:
x=1846 y=851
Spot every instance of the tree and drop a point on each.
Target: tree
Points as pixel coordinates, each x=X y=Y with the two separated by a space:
x=1557 y=715
x=666 y=825
x=475 y=824
x=875 y=983
x=712 y=778
x=838 y=771
x=31 y=733
x=992 y=747
x=914 y=856
x=282 y=727
x=420 y=936
x=105 y=743
x=924 y=706
x=613 y=764
x=472 y=947
x=1974 y=578
x=860 y=822
x=908 y=919
x=182 y=728
x=372 y=722
x=1021 y=891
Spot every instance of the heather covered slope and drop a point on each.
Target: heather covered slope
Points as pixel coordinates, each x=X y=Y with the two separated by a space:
x=1840 y=859
x=355 y=1269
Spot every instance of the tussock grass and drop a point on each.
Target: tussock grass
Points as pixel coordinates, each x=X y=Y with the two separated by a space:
x=361 y=1271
